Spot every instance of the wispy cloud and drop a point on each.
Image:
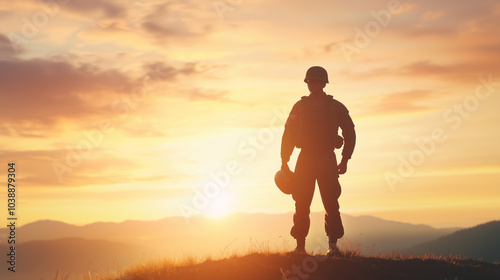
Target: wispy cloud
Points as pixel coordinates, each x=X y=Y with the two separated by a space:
x=461 y=71
x=104 y=8
x=178 y=20
x=6 y=47
x=94 y=170
x=45 y=91
x=42 y=92
x=402 y=102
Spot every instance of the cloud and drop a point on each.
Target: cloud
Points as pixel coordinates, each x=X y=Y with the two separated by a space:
x=188 y=71
x=43 y=91
x=43 y=95
x=111 y=27
x=211 y=95
x=102 y=167
x=158 y=29
x=166 y=72
x=180 y=20
x=431 y=18
x=402 y=102
x=167 y=24
x=463 y=71
x=458 y=72
x=429 y=29
x=6 y=47
x=490 y=50
x=426 y=68
x=432 y=15
x=107 y=8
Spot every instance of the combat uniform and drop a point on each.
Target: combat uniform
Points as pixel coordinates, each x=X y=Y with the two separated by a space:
x=313 y=126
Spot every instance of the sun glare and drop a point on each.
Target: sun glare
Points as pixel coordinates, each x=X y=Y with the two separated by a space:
x=220 y=206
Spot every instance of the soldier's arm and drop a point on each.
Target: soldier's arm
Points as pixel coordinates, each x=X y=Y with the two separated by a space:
x=287 y=142
x=349 y=134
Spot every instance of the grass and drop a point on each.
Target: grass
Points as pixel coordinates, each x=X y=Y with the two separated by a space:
x=262 y=263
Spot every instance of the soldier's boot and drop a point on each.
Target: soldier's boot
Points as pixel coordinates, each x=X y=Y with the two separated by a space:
x=333 y=249
x=301 y=245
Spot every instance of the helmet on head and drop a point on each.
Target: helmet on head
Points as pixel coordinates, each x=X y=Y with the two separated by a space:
x=285 y=181
x=316 y=73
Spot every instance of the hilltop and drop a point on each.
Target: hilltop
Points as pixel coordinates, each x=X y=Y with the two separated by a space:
x=294 y=266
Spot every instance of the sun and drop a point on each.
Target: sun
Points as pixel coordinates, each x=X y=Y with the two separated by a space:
x=220 y=206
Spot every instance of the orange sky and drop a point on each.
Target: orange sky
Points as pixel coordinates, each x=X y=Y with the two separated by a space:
x=145 y=109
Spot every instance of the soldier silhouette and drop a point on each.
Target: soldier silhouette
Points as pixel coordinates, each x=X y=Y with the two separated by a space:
x=313 y=126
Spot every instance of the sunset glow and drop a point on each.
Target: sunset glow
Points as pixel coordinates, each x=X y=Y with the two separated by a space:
x=220 y=206
x=140 y=110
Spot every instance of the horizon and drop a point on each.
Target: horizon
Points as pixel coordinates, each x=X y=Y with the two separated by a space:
x=128 y=246
x=217 y=219
x=149 y=109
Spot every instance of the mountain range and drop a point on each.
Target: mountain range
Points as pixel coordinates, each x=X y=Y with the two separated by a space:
x=174 y=235
x=49 y=247
x=482 y=241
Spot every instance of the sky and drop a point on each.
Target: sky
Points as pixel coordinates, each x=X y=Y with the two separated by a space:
x=139 y=110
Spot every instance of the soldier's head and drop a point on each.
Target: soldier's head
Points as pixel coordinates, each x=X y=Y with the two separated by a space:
x=316 y=79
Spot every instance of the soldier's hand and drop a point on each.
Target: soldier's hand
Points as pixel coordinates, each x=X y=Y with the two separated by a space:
x=342 y=167
x=284 y=167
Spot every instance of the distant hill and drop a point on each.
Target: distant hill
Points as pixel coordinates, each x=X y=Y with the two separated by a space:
x=46 y=247
x=71 y=257
x=377 y=236
x=177 y=236
x=482 y=241
x=292 y=266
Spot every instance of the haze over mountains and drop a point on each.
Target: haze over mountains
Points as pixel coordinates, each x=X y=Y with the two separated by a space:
x=174 y=235
x=44 y=247
x=482 y=241
x=73 y=257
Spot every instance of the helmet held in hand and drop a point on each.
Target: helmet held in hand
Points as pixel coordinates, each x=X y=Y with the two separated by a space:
x=285 y=181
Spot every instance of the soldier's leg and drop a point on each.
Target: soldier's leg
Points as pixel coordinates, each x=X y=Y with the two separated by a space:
x=330 y=190
x=304 y=171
